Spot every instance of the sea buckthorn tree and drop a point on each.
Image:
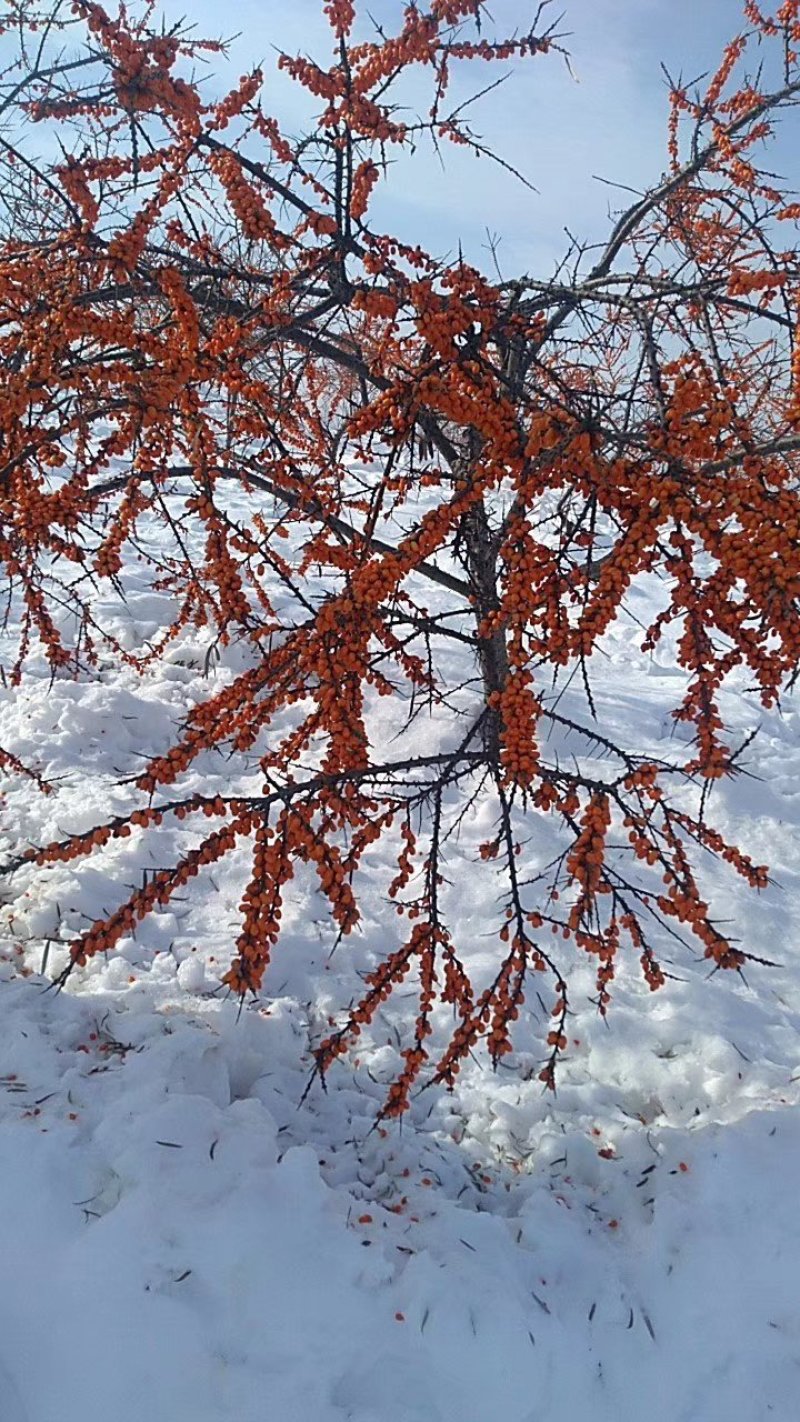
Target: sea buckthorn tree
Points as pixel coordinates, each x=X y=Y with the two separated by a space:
x=388 y=475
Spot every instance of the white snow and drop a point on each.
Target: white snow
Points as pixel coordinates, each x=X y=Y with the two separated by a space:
x=181 y=1240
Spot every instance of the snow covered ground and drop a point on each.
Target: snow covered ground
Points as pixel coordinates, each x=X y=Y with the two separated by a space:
x=181 y=1240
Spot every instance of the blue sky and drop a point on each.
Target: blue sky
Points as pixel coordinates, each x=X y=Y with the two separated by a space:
x=608 y=120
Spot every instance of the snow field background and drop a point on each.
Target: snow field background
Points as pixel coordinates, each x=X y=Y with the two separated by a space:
x=182 y=1236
